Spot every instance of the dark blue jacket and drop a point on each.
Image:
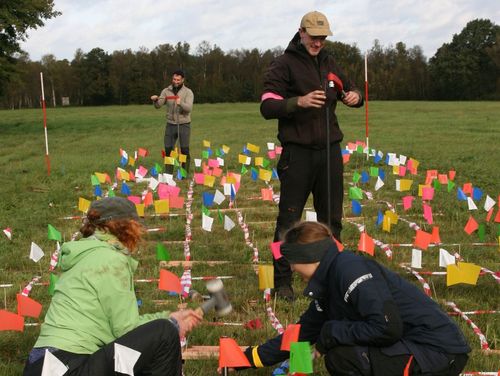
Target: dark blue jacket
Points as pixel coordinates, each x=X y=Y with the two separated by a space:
x=366 y=304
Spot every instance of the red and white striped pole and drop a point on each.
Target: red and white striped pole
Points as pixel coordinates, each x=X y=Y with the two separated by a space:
x=44 y=109
x=366 y=106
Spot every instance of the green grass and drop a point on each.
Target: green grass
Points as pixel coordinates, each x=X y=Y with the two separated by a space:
x=446 y=135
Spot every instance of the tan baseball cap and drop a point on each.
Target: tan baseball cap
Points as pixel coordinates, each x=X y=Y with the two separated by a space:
x=316 y=24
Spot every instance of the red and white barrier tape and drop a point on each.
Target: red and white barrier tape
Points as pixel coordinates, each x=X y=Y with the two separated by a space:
x=246 y=234
x=424 y=283
x=27 y=289
x=274 y=321
x=475 y=328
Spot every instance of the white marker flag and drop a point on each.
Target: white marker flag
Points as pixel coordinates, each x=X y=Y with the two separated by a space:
x=207 y=222
x=125 y=359
x=416 y=258
x=445 y=258
x=489 y=203
x=472 y=205
x=379 y=184
x=36 y=252
x=52 y=366
x=219 y=197
x=228 y=223
x=311 y=216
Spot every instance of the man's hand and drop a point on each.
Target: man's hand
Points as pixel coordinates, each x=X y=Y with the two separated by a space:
x=315 y=99
x=187 y=320
x=351 y=98
x=178 y=101
x=154 y=98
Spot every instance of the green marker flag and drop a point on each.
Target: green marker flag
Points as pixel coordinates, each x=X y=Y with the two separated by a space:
x=359 y=149
x=356 y=176
x=374 y=172
x=451 y=185
x=300 y=357
x=265 y=162
x=205 y=210
x=217 y=153
x=176 y=162
x=158 y=168
x=204 y=154
x=52 y=284
x=243 y=170
x=355 y=193
x=437 y=185
x=111 y=193
x=94 y=180
x=53 y=234
x=162 y=253
x=481 y=232
x=183 y=172
x=219 y=214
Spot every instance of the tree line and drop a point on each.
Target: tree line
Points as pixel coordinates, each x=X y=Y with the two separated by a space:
x=467 y=68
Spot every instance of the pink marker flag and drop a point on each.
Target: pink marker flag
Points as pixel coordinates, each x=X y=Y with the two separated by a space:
x=407 y=202
x=427 y=193
x=428 y=213
x=276 y=250
x=135 y=199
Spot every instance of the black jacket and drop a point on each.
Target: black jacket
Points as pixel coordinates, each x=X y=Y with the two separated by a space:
x=366 y=304
x=294 y=74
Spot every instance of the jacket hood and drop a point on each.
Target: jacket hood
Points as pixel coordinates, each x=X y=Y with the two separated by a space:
x=75 y=251
x=296 y=47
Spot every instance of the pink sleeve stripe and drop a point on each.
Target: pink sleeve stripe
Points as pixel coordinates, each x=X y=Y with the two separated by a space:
x=266 y=96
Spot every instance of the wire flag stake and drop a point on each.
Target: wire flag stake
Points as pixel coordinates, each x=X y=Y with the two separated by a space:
x=44 y=109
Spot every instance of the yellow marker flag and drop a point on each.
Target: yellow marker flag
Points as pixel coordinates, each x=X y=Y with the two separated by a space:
x=140 y=209
x=259 y=161
x=231 y=180
x=101 y=177
x=182 y=158
x=266 y=277
x=421 y=189
x=124 y=175
x=83 y=204
x=168 y=161
x=403 y=184
x=395 y=170
x=462 y=273
x=209 y=180
x=386 y=224
x=265 y=174
x=161 y=207
x=244 y=159
x=253 y=148
x=174 y=154
x=225 y=149
x=206 y=144
x=131 y=161
x=393 y=216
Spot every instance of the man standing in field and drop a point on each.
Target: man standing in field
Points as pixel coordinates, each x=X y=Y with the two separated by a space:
x=179 y=100
x=295 y=93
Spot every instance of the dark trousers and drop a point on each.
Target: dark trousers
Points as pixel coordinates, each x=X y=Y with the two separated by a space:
x=172 y=133
x=364 y=361
x=303 y=171
x=157 y=341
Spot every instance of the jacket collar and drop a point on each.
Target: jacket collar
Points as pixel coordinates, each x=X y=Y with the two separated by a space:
x=318 y=285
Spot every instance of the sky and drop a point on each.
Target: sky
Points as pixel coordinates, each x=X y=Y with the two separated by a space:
x=263 y=24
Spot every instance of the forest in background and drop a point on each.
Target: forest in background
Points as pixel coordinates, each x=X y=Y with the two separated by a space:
x=467 y=68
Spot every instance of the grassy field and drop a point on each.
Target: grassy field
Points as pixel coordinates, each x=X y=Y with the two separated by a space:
x=443 y=136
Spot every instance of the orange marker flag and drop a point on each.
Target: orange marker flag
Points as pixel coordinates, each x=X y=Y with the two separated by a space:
x=422 y=239
x=267 y=194
x=28 y=307
x=230 y=354
x=366 y=244
x=436 y=239
x=11 y=321
x=290 y=335
x=471 y=225
x=169 y=282
x=340 y=246
x=148 y=199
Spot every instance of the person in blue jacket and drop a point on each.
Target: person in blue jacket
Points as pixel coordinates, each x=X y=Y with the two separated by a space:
x=364 y=318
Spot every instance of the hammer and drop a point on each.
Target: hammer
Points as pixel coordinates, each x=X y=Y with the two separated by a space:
x=218 y=299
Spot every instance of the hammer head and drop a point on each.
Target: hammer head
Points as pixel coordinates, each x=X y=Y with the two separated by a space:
x=218 y=298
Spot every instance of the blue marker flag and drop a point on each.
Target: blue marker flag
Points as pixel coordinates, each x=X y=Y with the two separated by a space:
x=97 y=191
x=380 y=218
x=461 y=195
x=123 y=161
x=255 y=174
x=377 y=158
x=365 y=177
x=125 y=189
x=477 y=194
x=275 y=174
x=356 y=207
x=381 y=174
x=208 y=198
x=153 y=171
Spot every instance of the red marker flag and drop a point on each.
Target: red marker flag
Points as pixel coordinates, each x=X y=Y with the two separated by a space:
x=366 y=244
x=11 y=321
x=28 y=307
x=290 y=335
x=230 y=354
x=422 y=239
x=169 y=282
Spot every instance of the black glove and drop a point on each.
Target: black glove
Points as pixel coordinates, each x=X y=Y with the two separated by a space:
x=325 y=339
